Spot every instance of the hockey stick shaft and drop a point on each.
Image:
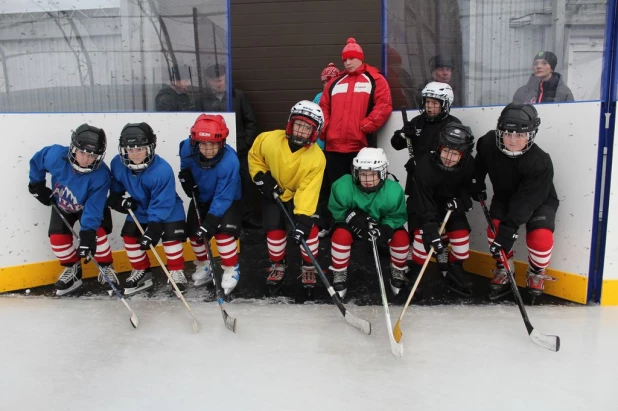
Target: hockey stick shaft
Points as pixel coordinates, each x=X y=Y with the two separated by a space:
x=550 y=342
x=361 y=324
x=397 y=330
x=134 y=320
x=196 y=326
x=396 y=349
x=230 y=322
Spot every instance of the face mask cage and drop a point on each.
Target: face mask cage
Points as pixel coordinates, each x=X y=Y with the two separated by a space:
x=201 y=159
x=75 y=164
x=357 y=178
x=437 y=156
x=124 y=155
x=501 y=135
x=444 y=106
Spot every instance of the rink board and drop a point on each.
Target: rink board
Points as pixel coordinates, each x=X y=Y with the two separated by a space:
x=24 y=243
x=609 y=293
x=569 y=133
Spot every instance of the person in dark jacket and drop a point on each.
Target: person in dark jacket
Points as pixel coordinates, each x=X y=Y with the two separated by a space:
x=215 y=100
x=175 y=97
x=522 y=178
x=544 y=85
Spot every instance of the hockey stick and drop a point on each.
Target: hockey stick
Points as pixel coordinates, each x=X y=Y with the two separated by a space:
x=196 y=326
x=230 y=322
x=397 y=330
x=396 y=349
x=363 y=325
x=549 y=342
x=134 y=320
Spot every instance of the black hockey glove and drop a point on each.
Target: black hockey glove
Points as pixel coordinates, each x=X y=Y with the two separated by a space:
x=117 y=202
x=457 y=204
x=504 y=241
x=477 y=190
x=41 y=192
x=151 y=236
x=87 y=244
x=266 y=184
x=208 y=229
x=304 y=224
x=189 y=186
x=382 y=233
x=431 y=238
x=358 y=222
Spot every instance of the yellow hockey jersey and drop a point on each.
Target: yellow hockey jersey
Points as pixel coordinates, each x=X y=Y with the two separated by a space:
x=298 y=174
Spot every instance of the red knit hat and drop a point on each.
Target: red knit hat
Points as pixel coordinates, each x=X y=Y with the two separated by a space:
x=352 y=51
x=329 y=72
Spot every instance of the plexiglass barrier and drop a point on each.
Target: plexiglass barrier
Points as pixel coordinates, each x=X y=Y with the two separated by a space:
x=114 y=56
x=493 y=52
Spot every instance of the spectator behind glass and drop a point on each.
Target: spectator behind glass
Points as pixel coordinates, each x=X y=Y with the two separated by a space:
x=214 y=100
x=441 y=68
x=175 y=97
x=544 y=85
x=329 y=72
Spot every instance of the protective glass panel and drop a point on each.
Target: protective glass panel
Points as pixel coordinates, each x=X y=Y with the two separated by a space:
x=112 y=55
x=488 y=50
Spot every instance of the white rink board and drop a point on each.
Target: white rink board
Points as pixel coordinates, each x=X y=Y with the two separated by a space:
x=610 y=267
x=24 y=221
x=569 y=133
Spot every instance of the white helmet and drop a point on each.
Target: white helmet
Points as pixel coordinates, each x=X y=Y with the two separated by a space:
x=439 y=91
x=370 y=159
x=307 y=111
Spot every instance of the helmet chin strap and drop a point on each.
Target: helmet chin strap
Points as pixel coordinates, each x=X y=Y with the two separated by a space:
x=294 y=147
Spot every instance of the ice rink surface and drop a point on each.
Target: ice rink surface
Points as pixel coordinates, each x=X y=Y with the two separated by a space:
x=82 y=354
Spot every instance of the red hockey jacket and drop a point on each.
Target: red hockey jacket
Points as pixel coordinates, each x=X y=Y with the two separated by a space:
x=355 y=105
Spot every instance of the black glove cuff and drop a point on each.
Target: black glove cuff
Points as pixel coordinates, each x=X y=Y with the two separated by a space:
x=115 y=200
x=506 y=231
x=212 y=220
x=88 y=235
x=33 y=188
x=386 y=231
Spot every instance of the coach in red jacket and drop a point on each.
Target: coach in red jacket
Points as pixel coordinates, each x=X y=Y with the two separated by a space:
x=355 y=105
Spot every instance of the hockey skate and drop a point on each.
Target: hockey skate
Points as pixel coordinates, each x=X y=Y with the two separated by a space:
x=398 y=279
x=179 y=278
x=276 y=274
x=230 y=278
x=202 y=274
x=307 y=276
x=499 y=285
x=535 y=281
x=340 y=281
x=139 y=280
x=70 y=279
x=111 y=274
x=457 y=280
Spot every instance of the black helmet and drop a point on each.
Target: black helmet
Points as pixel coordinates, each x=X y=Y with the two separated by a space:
x=517 y=118
x=91 y=140
x=135 y=135
x=454 y=136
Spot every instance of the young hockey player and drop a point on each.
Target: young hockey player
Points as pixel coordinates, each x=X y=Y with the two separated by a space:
x=289 y=164
x=209 y=171
x=150 y=182
x=419 y=134
x=521 y=175
x=80 y=181
x=441 y=183
x=365 y=205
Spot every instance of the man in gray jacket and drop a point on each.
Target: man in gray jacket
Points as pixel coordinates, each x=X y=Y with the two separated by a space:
x=544 y=85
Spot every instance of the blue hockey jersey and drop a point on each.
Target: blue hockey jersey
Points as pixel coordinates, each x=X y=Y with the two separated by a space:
x=219 y=184
x=73 y=192
x=154 y=190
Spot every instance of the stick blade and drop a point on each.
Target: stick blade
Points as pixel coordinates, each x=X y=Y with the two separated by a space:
x=549 y=342
x=354 y=321
x=134 y=320
x=230 y=322
x=196 y=326
x=396 y=349
x=397 y=334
